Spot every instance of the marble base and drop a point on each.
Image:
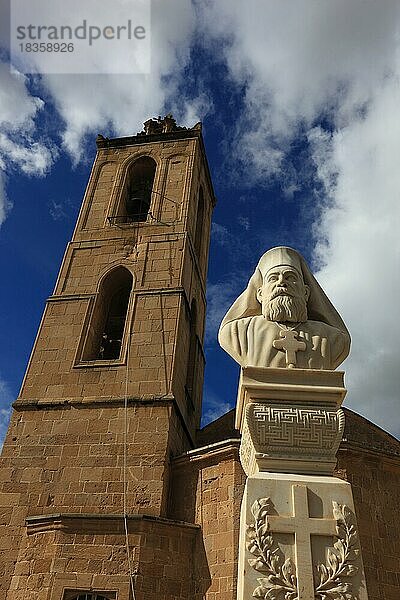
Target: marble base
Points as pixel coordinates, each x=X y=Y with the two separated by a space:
x=290 y=419
x=299 y=539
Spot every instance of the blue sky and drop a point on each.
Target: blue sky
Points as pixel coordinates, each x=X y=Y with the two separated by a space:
x=300 y=108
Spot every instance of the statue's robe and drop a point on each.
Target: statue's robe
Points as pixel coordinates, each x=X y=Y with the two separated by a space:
x=250 y=340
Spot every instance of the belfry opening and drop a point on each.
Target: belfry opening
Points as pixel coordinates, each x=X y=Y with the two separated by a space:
x=139 y=189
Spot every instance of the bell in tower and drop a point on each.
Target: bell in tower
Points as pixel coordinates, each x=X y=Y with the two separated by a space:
x=139 y=189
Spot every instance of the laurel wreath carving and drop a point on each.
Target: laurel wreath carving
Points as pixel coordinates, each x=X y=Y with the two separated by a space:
x=279 y=574
x=340 y=559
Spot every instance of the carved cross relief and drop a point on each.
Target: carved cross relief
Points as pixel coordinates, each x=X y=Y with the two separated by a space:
x=291 y=345
x=303 y=527
x=296 y=582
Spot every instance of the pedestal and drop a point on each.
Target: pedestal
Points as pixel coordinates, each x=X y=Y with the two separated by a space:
x=298 y=533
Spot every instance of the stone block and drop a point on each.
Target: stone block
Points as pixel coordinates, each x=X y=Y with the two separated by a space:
x=290 y=419
x=309 y=525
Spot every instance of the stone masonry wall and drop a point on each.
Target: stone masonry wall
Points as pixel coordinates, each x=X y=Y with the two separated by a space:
x=207 y=489
x=375 y=482
x=208 y=485
x=69 y=552
x=167 y=276
x=70 y=459
x=62 y=462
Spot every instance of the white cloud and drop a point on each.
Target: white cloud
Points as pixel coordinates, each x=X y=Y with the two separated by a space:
x=34 y=159
x=4 y=420
x=5 y=408
x=360 y=247
x=18 y=109
x=57 y=210
x=297 y=62
x=244 y=222
x=214 y=407
x=4 y=203
x=219 y=298
x=20 y=143
x=300 y=64
x=220 y=234
x=94 y=102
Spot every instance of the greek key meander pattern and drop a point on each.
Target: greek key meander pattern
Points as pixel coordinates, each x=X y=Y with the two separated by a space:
x=279 y=574
x=296 y=427
x=246 y=447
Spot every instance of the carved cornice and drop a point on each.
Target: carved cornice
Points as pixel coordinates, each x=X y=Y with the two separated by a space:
x=134 y=140
x=102 y=523
x=35 y=403
x=291 y=420
x=222 y=450
x=290 y=438
x=294 y=386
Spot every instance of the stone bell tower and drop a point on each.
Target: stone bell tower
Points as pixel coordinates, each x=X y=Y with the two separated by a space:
x=113 y=387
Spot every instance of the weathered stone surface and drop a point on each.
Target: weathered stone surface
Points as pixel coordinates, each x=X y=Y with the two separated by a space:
x=168 y=273
x=72 y=448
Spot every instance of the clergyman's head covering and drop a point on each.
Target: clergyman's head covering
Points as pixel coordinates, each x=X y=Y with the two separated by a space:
x=319 y=307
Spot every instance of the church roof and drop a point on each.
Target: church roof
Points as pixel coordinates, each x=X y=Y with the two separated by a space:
x=361 y=433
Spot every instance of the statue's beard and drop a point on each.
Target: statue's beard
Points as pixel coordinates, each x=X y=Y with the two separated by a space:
x=287 y=309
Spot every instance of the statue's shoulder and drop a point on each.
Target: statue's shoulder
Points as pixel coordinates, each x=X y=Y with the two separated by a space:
x=323 y=329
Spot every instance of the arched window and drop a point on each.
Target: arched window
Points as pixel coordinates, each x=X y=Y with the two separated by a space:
x=106 y=330
x=83 y=595
x=192 y=357
x=139 y=186
x=90 y=596
x=198 y=232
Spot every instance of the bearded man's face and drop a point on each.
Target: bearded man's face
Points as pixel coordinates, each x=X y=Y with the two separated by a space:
x=283 y=295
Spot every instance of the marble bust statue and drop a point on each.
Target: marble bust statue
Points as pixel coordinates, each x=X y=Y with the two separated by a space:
x=284 y=318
